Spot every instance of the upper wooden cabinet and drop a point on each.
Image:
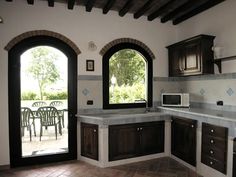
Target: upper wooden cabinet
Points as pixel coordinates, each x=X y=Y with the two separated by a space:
x=193 y=56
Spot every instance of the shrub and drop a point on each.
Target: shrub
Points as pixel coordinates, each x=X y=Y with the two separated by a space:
x=56 y=96
x=29 y=96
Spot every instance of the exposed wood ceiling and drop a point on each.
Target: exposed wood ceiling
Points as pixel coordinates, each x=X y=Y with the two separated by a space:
x=175 y=10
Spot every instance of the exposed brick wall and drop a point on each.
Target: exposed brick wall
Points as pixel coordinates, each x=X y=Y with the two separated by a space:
x=28 y=34
x=129 y=40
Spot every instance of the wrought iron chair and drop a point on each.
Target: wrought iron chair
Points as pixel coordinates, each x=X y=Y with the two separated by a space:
x=49 y=116
x=61 y=112
x=27 y=120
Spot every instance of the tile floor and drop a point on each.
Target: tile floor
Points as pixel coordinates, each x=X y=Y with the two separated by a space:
x=162 y=167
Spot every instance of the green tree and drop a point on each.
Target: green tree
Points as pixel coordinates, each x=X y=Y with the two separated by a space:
x=42 y=67
x=128 y=66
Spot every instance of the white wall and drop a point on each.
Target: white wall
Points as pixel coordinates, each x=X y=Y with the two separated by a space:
x=218 y=21
x=81 y=27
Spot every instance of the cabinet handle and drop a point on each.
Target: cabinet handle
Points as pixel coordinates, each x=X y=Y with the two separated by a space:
x=212 y=130
x=141 y=128
x=211 y=151
x=212 y=141
x=137 y=129
x=192 y=126
x=94 y=130
x=211 y=162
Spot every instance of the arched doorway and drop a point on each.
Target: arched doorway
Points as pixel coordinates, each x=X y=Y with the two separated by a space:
x=42 y=74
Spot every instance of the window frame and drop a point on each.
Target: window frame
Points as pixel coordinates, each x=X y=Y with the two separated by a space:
x=105 y=73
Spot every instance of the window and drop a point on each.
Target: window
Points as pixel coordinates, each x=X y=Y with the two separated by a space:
x=127 y=77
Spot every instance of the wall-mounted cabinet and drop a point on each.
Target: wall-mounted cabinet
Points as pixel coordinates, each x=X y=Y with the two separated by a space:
x=193 y=56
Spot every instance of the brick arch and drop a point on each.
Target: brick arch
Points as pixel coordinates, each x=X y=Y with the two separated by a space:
x=126 y=40
x=28 y=34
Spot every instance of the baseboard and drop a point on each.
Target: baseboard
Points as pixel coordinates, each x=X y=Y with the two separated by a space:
x=4 y=167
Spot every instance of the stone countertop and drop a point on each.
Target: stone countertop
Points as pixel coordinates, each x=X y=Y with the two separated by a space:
x=208 y=113
x=122 y=118
x=215 y=117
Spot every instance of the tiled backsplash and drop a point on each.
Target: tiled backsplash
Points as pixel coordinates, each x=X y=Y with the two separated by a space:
x=206 y=89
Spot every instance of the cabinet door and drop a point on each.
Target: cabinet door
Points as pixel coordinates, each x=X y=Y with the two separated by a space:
x=192 y=58
x=183 y=140
x=151 y=138
x=89 y=140
x=123 y=142
x=176 y=61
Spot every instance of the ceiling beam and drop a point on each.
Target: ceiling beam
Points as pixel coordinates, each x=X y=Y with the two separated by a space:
x=31 y=2
x=196 y=11
x=160 y=10
x=126 y=8
x=9 y=0
x=71 y=4
x=89 y=5
x=184 y=7
x=51 y=3
x=108 y=6
x=143 y=9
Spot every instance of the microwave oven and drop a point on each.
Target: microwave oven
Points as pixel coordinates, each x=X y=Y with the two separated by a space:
x=175 y=99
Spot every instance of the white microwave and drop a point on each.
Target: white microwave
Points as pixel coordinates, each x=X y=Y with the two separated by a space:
x=175 y=99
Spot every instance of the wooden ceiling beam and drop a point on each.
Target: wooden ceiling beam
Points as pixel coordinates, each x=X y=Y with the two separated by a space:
x=51 y=3
x=71 y=4
x=89 y=5
x=178 y=10
x=9 y=0
x=126 y=8
x=196 y=11
x=160 y=10
x=31 y=2
x=143 y=9
x=108 y=6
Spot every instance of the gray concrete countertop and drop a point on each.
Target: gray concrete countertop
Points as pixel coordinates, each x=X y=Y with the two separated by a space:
x=122 y=118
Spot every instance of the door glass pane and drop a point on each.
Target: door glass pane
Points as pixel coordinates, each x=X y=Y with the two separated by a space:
x=44 y=101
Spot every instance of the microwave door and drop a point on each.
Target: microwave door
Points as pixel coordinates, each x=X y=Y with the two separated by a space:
x=172 y=100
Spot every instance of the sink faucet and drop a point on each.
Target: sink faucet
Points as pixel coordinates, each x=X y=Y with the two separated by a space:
x=146 y=103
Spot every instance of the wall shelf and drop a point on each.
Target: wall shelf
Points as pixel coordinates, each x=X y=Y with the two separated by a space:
x=218 y=61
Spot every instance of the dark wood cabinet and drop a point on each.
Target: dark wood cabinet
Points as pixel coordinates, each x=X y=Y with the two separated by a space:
x=193 y=56
x=214 y=146
x=133 y=140
x=183 y=139
x=234 y=159
x=89 y=140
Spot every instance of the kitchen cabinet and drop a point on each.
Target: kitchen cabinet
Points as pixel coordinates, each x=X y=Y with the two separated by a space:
x=214 y=146
x=133 y=140
x=89 y=140
x=193 y=56
x=183 y=139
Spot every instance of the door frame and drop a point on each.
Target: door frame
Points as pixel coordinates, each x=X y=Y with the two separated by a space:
x=14 y=95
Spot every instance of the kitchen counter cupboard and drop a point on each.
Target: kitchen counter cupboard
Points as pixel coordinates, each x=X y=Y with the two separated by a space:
x=226 y=120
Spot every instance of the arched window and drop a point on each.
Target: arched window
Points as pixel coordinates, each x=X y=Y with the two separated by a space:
x=127 y=77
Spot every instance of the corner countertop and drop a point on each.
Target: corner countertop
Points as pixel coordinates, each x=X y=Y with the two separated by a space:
x=209 y=113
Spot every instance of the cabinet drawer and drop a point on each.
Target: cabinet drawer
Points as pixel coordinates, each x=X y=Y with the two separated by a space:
x=215 y=153
x=214 y=142
x=215 y=131
x=217 y=165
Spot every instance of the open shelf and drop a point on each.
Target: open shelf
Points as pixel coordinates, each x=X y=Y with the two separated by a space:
x=219 y=60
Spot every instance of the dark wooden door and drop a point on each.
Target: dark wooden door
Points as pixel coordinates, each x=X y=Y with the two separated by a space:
x=14 y=85
x=123 y=142
x=151 y=138
x=89 y=140
x=183 y=139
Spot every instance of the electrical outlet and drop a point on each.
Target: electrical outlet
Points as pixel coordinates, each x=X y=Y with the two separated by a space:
x=89 y=102
x=219 y=103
